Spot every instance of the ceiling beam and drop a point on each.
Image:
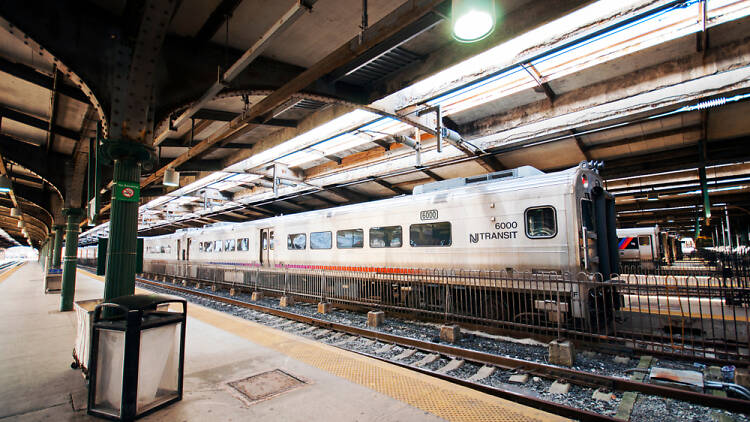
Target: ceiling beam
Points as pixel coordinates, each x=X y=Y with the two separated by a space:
x=31 y=75
x=220 y=15
x=177 y=143
x=431 y=174
x=53 y=108
x=38 y=123
x=391 y=187
x=228 y=116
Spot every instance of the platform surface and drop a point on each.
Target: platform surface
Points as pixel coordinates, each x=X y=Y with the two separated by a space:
x=36 y=382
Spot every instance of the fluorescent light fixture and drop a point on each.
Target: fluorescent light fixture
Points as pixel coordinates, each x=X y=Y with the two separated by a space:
x=21 y=223
x=15 y=212
x=171 y=177
x=653 y=197
x=5 y=185
x=472 y=19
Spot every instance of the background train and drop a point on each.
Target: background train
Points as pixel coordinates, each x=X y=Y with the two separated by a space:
x=648 y=247
x=518 y=221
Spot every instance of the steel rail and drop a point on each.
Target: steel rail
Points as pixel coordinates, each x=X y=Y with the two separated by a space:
x=535 y=368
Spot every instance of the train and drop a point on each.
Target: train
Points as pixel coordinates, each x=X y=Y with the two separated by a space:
x=648 y=247
x=519 y=220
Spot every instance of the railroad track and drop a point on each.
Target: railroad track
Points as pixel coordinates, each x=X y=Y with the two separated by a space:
x=480 y=359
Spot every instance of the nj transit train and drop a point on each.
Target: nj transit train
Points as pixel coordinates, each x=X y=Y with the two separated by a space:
x=648 y=247
x=519 y=220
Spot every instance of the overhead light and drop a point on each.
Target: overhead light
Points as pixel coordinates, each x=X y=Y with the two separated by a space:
x=15 y=212
x=21 y=223
x=5 y=185
x=171 y=177
x=653 y=196
x=472 y=19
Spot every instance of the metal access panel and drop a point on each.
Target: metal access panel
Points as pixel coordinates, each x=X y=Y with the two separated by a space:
x=101 y=257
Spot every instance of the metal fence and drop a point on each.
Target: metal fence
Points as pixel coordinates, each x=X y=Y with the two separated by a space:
x=702 y=316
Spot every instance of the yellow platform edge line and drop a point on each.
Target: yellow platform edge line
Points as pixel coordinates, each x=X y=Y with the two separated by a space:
x=8 y=273
x=441 y=398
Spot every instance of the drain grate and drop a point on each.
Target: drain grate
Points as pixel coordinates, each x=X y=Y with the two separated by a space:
x=266 y=385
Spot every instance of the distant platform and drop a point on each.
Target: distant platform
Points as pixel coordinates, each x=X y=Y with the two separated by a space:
x=323 y=383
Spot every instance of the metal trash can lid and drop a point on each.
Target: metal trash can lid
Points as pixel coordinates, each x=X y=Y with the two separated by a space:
x=142 y=302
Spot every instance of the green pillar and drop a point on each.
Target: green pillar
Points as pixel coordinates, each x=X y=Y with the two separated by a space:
x=123 y=222
x=70 y=260
x=57 y=250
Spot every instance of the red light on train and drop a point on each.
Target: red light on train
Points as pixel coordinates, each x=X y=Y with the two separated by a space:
x=585 y=181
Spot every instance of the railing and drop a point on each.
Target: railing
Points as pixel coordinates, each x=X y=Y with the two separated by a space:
x=698 y=316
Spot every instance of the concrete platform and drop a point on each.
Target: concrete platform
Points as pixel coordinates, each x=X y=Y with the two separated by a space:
x=37 y=383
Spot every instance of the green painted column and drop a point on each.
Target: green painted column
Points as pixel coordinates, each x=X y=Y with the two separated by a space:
x=123 y=222
x=48 y=263
x=57 y=250
x=70 y=260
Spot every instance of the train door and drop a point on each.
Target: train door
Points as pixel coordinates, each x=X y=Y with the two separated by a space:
x=267 y=246
x=645 y=248
x=589 y=252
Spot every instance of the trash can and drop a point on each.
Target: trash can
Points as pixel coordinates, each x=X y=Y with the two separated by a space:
x=53 y=280
x=136 y=356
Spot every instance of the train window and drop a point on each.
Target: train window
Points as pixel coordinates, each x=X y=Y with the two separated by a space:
x=218 y=246
x=644 y=240
x=264 y=240
x=587 y=214
x=430 y=234
x=161 y=249
x=349 y=239
x=270 y=240
x=243 y=244
x=200 y=246
x=230 y=245
x=385 y=237
x=541 y=222
x=208 y=247
x=320 y=240
x=296 y=241
x=627 y=243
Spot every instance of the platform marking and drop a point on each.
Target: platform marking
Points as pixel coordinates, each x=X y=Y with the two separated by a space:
x=441 y=398
x=8 y=273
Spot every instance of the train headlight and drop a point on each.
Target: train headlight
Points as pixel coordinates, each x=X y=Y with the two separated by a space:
x=585 y=181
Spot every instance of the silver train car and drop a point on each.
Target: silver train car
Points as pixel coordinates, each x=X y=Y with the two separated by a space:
x=520 y=220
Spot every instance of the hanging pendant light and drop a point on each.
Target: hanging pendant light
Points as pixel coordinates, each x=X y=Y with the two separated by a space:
x=472 y=20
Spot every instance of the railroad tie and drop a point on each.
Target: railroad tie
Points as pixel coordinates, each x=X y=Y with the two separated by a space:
x=307 y=330
x=432 y=357
x=629 y=397
x=386 y=348
x=321 y=333
x=337 y=336
x=344 y=341
x=405 y=354
x=482 y=373
x=368 y=342
x=450 y=366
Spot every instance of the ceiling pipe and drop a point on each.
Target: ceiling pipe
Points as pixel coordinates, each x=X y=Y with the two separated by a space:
x=283 y=23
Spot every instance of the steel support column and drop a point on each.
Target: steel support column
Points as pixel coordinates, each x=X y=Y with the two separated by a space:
x=71 y=257
x=57 y=248
x=123 y=223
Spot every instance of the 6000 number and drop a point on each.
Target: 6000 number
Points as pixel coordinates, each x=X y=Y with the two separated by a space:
x=504 y=225
x=428 y=215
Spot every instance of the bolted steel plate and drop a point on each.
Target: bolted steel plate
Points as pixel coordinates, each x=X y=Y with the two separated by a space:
x=266 y=385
